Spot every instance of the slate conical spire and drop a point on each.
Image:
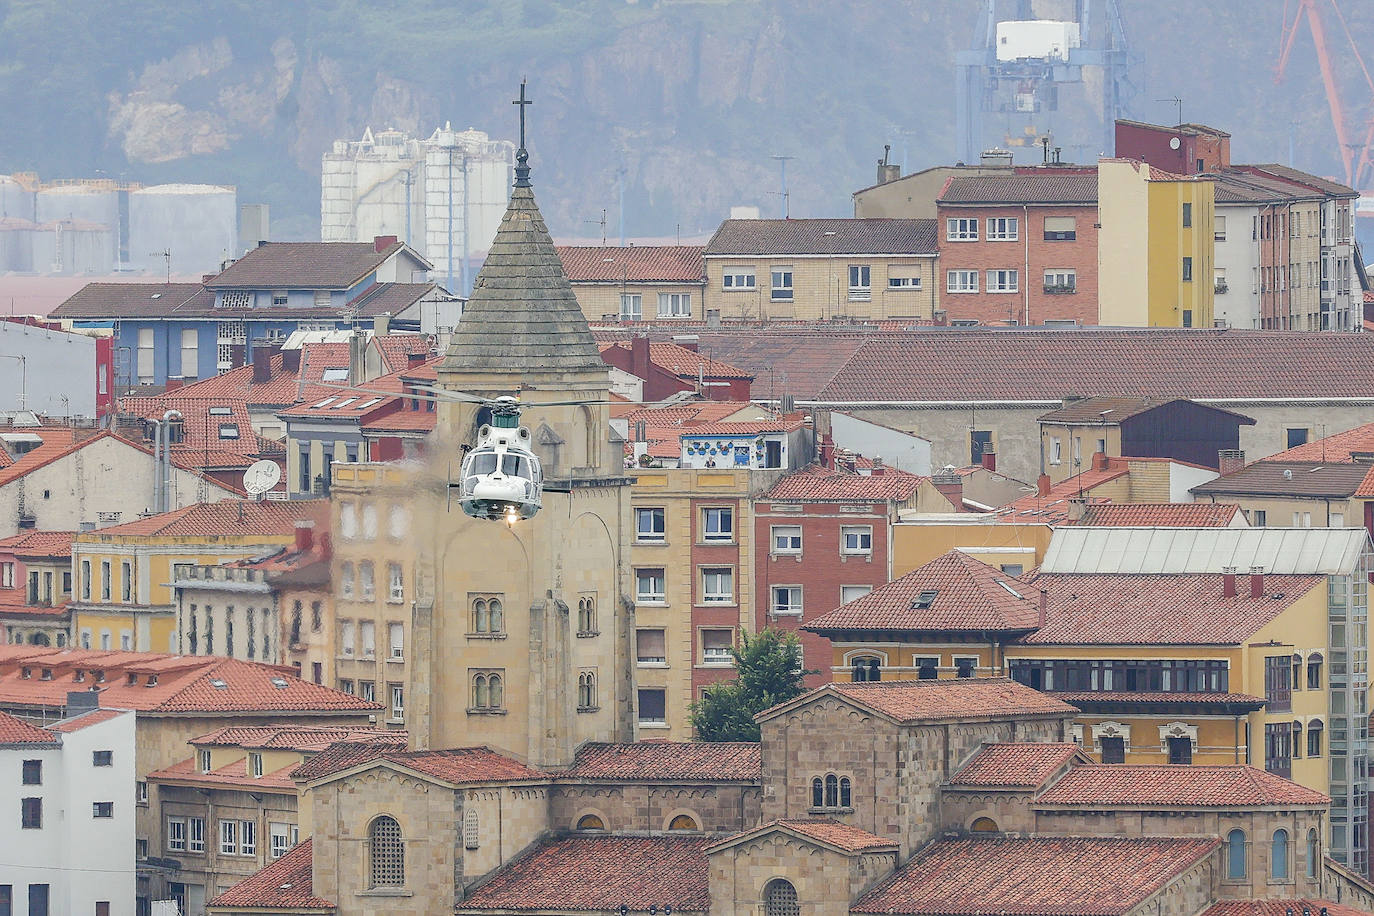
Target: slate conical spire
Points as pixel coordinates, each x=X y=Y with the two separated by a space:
x=523 y=318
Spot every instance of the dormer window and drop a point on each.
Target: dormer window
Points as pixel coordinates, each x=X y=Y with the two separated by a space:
x=228 y=430
x=924 y=600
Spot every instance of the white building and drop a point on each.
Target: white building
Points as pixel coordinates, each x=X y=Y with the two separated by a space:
x=1236 y=272
x=69 y=790
x=48 y=372
x=444 y=196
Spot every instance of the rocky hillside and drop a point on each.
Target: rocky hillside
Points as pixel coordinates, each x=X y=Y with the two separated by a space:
x=690 y=97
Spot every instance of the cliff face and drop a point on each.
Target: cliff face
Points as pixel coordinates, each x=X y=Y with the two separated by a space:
x=690 y=99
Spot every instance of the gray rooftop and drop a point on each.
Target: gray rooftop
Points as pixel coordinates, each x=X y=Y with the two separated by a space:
x=1283 y=551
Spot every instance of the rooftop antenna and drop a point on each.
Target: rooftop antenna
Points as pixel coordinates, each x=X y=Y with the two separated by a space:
x=166 y=255
x=600 y=222
x=782 y=166
x=1178 y=103
x=620 y=174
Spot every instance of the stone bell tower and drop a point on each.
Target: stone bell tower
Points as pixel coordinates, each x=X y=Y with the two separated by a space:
x=524 y=631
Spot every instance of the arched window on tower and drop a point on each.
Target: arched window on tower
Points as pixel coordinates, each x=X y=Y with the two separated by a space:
x=780 y=898
x=387 y=853
x=1235 y=855
x=1278 y=856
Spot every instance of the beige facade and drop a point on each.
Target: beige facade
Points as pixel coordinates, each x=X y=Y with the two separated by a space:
x=817 y=287
x=913 y=196
x=639 y=300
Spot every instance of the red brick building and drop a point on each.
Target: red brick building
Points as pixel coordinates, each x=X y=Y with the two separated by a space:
x=824 y=538
x=1020 y=249
x=668 y=368
x=1186 y=149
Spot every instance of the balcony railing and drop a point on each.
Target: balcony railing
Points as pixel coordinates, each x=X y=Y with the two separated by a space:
x=1221 y=288
x=1060 y=289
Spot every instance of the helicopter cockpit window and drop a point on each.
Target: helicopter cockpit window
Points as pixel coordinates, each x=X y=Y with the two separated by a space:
x=513 y=466
x=484 y=463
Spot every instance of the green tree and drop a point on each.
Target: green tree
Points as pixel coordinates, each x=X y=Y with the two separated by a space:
x=768 y=667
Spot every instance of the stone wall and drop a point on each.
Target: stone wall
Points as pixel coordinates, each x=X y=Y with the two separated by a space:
x=824 y=880
x=721 y=808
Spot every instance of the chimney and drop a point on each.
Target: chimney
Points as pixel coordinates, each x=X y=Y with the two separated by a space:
x=382 y=242
x=291 y=360
x=951 y=486
x=1099 y=461
x=81 y=701
x=1230 y=460
x=989 y=457
x=415 y=359
x=878 y=468
x=995 y=159
x=262 y=363
x=206 y=278
x=1044 y=606
x=174 y=383
x=1078 y=508
x=639 y=357
x=713 y=319
x=1256 y=581
x=1228 y=582
x=1042 y=485
x=305 y=536
x=381 y=325
x=357 y=359
x=688 y=342
x=827 y=452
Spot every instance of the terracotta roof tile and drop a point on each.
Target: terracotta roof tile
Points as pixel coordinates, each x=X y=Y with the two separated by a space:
x=1281 y=907
x=295 y=737
x=598 y=874
x=822 y=236
x=1015 y=764
x=1159 y=609
x=667 y=760
x=39 y=544
x=231 y=775
x=460 y=765
x=86 y=720
x=1162 y=515
x=1157 y=700
x=14 y=730
x=57 y=441
x=205 y=423
x=679 y=414
x=131 y=300
x=1034 y=876
x=820 y=484
x=1123 y=785
x=633 y=263
x=935 y=701
x=396 y=349
x=953 y=592
x=286 y=884
x=304 y=265
x=830 y=831
x=1340 y=448
x=227 y=518
x=681 y=361
x=1021 y=189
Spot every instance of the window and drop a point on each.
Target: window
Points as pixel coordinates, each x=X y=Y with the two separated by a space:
x=651 y=647
x=255 y=765
x=1180 y=749
x=366 y=587
x=718 y=524
x=1187 y=216
x=1313 y=853
x=195 y=834
x=965 y=666
x=717 y=585
x=780 y=898
x=348 y=521
x=1187 y=270
x=904 y=276
x=368 y=690
x=782 y=284
x=488 y=691
x=1297 y=740
x=32 y=773
x=737 y=278
x=586 y=691
x=1297 y=436
x=1278 y=856
x=860 y=285
x=675 y=305
x=228 y=430
x=1002 y=229
x=586 y=615
x=865 y=668
x=1219 y=228
x=398 y=702
x=787 y=539
x=85 y=580
x=398 y=522
x=472 y=833
x=145 y=356
x=590 y=822
x=856 y=539
x=716 y=646
x=653 y=706
x=961 y=230
x=683 y=822
x=850 y=593
x=102 y=809
x=102 y=758
x=396 y=636
x=961 y=281
x=1061 y=281
x=1113 y=748
x=141 y=792
x=228 y=837
x=1061 y=228
x=1258 y=517
x=396 y=589
x=1235 y=855
x=1314 y=671
x=650 y=524
x=176 y=834
x=1314 y=738
x=488 y=615
x=1277 y=687
x=190 y=354
x=7 y=575
x=631 y=307
x=105 y=582
x=1278 y=749
x=281 y=838
x=31 y=813
x=649 y=586
x=1002 y=281
x=279 y=298
x=346 y=637
x=346 y=580
x=387 y=853
x=38 y=899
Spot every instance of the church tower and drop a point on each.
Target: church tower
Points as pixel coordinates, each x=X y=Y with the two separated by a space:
x=523 y=631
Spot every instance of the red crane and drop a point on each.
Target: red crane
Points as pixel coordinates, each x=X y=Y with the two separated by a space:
x=1355 y=154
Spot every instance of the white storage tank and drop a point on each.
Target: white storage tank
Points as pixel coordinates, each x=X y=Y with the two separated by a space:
x=73 y=246
x=16 y=201
x=197 y=223
x=94 y=202
x=16 y=244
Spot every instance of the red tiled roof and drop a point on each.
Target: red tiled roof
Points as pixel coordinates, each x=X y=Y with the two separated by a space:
x=1021 y=189
x=633 y=263
x=826 y=830
x=598 y=874
x=932 y=701
x=741 y=427
x=1101 y=411
x=963 y=593
x=822 y=237
x=397 y=348
x=14 y=730
x=237 y=384
x=1366 y=488
x=131 y=300
x=294 y=737
x=678 y=414
x=201 y=424
x=403 y=421
x=1159 y=609
x=227 y=518
x=230 y=775
x=972 y=364
x=819 y=484
x=184 y=684
x=57 y=441
x=286 y=884
x=1281 y=907
x=1015 y=764
x=1035 y=876
x=1339 y=448
x=304 y=265
x=681 y=361
x=668 y=760
x=1161 y=515
x=86 y=720
x=461 y=765
x=1159 y=699
x=1124 y=785
x=39 y=544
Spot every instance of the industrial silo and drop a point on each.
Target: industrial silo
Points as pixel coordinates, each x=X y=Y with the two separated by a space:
x=197 y=223
x=16 y=244
x=73 y=246
x=16 y=200
x=93 y=201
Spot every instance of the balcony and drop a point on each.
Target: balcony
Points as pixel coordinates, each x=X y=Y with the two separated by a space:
x=1060 y=289
x=1221 y=288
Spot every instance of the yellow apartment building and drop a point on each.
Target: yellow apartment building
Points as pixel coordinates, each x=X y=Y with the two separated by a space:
x=122 y=594
x=636 y=282
x=818 y=269
x=1156 y=247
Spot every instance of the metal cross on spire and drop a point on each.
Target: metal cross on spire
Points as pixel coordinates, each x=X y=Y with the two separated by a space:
x=522 y=156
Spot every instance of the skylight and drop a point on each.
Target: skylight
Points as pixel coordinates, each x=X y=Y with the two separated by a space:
x=335 y=375
x=219 y=684
x=1010 y=589
x=221 y=411
x=365 y=404
x=924 y=599
x=321 y=404
x=228 y=430
x=344 y=403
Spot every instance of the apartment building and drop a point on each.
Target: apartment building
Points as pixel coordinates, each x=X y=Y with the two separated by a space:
x=812 y=269
x=35 y=586
x=636 y=282
x=1020 y=248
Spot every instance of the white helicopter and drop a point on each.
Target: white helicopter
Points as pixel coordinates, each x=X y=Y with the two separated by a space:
x=501 y=478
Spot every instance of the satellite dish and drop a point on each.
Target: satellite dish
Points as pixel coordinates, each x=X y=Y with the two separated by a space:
x=261 y=476
x=1173 y=143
